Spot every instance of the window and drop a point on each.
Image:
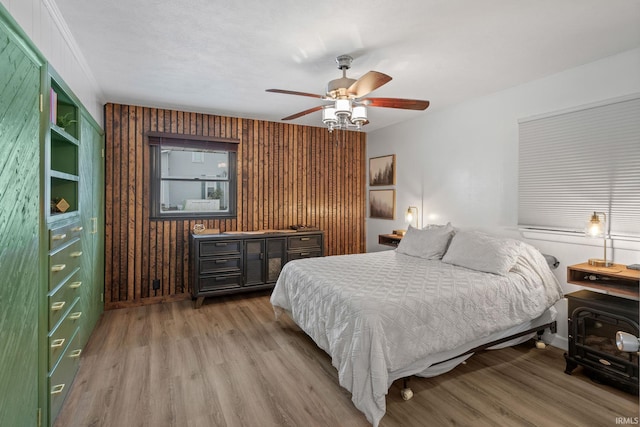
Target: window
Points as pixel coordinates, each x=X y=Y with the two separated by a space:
x=573 y=163
x=192 y=177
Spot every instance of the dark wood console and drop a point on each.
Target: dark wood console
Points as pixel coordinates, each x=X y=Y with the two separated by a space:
x=238 y=262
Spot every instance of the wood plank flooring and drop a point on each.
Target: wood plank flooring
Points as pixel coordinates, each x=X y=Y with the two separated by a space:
x=230 y=363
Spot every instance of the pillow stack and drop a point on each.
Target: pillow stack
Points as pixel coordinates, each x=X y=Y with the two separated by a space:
x=470 y=249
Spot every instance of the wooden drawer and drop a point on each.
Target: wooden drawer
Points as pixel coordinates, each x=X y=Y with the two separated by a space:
x=62 y=375
x=220 y=247
x=220 y=264
x=62 y=297
x=63 y=262
x=304 y=254
x=61 y=235
x=220 y=282
x=62 y=333
x=302 y=242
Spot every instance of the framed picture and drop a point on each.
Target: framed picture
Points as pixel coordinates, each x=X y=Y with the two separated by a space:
x=382 y=204
x=382 y=170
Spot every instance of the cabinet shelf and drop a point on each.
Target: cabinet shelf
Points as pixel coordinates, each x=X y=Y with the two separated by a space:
x=63 y=150
x=63 y=176
x=62 y=107
x=61 y=133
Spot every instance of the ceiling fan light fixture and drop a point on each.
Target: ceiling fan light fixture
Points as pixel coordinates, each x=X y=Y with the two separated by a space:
x=349 y=108
x=329 y=115
x=359 y=116
x=343 y=107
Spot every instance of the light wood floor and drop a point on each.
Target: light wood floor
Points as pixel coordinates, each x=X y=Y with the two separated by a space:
x=231 y=364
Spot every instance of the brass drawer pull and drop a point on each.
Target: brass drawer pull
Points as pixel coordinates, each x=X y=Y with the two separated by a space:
x=57 y=305
x=304 y=239
x=221 y=243
x=304 y=253
x=75 y=353
x=75 y=285
x=76 y=229
x=58 y=267
x=76 y=315
x=76 y=254
x=221 y=261
x=57 y=343
x=58 y=237
x=605 y=362
x=57 y=389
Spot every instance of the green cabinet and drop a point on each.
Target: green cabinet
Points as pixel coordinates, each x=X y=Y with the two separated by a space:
x=19 y=228
x=74 y=177
x=91 y=192
x=51 y=232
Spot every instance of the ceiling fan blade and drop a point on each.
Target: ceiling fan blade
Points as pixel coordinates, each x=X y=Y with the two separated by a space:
x=292 y=92
x=405 y=104
x=304 y=113
x=368 y=83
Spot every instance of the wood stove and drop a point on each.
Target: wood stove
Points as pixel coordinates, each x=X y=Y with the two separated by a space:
x=594 y=319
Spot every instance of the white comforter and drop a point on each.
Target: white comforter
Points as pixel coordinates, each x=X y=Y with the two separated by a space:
x=379 y=313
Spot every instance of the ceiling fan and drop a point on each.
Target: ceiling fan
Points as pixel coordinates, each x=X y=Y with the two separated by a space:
x=348 y=107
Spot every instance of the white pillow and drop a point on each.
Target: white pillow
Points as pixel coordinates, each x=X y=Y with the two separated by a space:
x=431 y=243
x=479 y=251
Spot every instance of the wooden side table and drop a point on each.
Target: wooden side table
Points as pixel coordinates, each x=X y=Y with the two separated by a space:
x=389 y=239
x=616 y=280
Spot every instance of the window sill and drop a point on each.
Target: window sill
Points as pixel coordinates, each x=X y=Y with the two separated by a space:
x=617 y=242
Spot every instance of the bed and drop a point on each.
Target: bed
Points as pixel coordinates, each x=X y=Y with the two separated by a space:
x=418 y=310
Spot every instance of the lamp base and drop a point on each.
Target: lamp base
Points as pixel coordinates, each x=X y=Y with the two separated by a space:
x=599 y=262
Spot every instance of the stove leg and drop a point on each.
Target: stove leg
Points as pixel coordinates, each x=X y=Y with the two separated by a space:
x=571 y=365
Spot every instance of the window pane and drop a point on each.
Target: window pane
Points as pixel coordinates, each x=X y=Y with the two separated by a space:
x=194 y=196
x=191 y=181
x=188 y=163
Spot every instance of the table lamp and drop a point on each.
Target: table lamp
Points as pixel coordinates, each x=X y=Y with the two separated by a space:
x=597 y=228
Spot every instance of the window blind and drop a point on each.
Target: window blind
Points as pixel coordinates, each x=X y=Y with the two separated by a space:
x=577 y=162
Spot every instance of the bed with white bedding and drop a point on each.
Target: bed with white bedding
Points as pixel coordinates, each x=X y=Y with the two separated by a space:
x=387 y=315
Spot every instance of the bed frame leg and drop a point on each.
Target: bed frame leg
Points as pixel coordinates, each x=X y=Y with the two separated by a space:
x=406 y=392
x=539 y=342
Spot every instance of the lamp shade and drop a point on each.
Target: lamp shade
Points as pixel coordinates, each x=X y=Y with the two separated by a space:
x=595 y=226
x=343 y=107
x=329 y=115
x=359 y=114
x=412 y=215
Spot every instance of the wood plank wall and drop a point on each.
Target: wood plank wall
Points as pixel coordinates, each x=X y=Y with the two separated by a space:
x=287 y=174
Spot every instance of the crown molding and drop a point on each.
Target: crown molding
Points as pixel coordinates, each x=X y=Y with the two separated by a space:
x=61 y=24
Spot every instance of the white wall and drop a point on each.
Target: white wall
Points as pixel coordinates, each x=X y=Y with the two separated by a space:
x=461 y=164
x=41 y=21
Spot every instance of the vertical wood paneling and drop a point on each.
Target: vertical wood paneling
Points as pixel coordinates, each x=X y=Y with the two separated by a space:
x=287 y=174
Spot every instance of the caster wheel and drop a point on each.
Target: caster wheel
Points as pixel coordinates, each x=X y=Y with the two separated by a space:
x=540 y=344
x=406 y=393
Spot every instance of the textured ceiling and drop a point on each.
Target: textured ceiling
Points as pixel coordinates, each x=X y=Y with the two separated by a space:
x=216 y=56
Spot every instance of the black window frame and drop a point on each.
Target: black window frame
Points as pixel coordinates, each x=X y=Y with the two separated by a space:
x=157 y=140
